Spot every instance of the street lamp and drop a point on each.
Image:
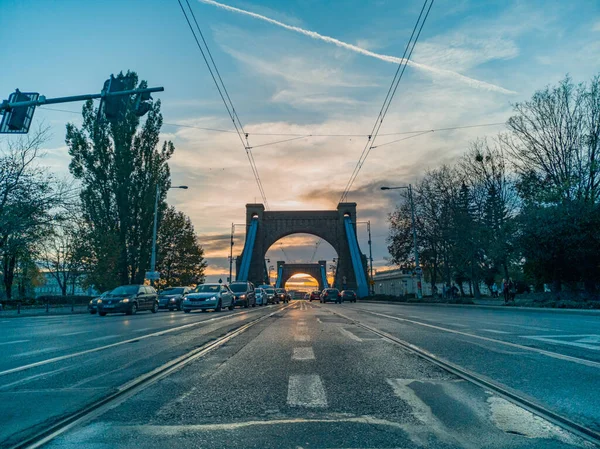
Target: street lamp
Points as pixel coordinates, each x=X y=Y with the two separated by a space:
x=371 y=287
x=414 y=229
x=153 y=258
x=233 y=225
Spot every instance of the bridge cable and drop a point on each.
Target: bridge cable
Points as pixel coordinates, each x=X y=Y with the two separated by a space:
x=410 y=46
x=243 y=136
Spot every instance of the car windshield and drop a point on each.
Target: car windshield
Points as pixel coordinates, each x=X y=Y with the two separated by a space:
x=270 y=291
x=207 y=288
x=125 y=290
x=173 y=291
x=237 y=288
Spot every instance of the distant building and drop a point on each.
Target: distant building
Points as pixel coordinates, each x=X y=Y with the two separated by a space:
x=50 y=287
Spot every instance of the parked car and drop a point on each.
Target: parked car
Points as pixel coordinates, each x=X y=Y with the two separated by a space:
x=331 y=294
x=349 y=295
x=93 y=305
x=129 y=299
x=261 y=296
x=209 y=296
x=171 y=298
x=272 y=298
x=282 y=294
x=307 y=296
x=314 y=295
x=244 y=293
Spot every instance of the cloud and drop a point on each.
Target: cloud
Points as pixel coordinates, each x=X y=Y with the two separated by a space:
x=387 y=58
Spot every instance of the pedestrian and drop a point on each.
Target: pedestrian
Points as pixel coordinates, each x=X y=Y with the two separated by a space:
x=494 y=290
x=435 y=291
x=505 y=291
x=444 y=291
x=512 y=290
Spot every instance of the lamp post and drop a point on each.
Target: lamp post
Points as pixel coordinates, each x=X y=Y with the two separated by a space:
x=153 y=258
x=414 y=229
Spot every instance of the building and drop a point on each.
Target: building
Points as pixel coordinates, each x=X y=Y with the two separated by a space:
x=50 y=287
x=401 y=282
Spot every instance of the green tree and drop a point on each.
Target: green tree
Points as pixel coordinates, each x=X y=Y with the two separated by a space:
x=180 y=257
x=119 y=167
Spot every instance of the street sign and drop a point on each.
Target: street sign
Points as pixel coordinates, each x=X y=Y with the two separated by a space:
x=17 y=120
x=153 y=275
x=372 y=282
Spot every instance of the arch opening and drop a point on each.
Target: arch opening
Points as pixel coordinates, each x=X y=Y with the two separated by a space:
x=301 y=282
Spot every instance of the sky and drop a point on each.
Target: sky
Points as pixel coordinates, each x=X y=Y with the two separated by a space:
x=299 y=67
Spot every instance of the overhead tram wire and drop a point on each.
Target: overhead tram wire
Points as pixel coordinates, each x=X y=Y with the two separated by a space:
x=305 y=136
x=229 y=107
x=390 y=95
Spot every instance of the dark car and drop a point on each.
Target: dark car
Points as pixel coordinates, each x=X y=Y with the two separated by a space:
x=129 y=299
x=272 y=297
x=349 y=295
x=331 y=294
x=244 y=293
x=315 y=295
x=172 y=297
x=93 y=305
x=282 y=294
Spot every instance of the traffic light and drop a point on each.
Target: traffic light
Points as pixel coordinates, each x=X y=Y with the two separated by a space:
x=18 y=115
x=17 y=119
x=143 y=104
x=112 y=106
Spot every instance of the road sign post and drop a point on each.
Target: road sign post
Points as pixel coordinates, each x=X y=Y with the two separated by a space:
x=152 y=275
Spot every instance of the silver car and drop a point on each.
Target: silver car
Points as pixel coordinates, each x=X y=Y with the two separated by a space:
x=209 y=296
x=261 y=297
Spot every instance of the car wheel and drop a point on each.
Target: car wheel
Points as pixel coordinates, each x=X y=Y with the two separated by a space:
x=92 y=312
x=155 y=308
x=179 y=307
x=254 y=305
x=246 y=304
x=231 y=306
x=203 y=310
x=132 y=310
x=218 y=308
x=186 y=311
x=102 y=313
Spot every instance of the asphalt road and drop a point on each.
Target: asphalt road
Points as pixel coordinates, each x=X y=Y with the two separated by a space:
x=303 y=377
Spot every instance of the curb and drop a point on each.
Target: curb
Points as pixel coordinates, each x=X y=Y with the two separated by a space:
x=12 y=314
x=482 y=306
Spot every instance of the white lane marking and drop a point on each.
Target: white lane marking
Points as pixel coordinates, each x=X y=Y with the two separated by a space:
x=458 y=325
x=175 y=430
x=306 y=390
x=494 y=331
x=303 y=354
x=144 y=329
x=14 y=342
x=586 y=341
x=106 y=337
x=420 y=410
x=301 y=337
x=349 y=334
x=319 y=320
x=35 y=376
x=555 y=355
x=76 y=333
x=37 y=351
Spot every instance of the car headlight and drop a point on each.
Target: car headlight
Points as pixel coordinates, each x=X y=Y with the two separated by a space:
x=242 y=296
x=91 y=302
x=173 y=300
x=99 y=301
x=213 y=298
x=126 y=300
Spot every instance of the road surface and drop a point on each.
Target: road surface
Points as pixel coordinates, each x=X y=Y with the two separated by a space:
x=307 y=375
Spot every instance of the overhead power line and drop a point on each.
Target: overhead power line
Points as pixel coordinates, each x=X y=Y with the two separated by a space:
x=410 y=46
x=224 y=94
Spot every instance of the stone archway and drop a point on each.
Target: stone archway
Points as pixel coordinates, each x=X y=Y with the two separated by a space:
x=312 y=269
x=326 y=224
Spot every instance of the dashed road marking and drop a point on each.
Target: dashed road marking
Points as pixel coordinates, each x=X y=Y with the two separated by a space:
x=303 y=354
x=301 y=337
x=349 y=334
x=14 y=342
x=106 y=337
x=306 y=390
x=494 y=331
x=37 y=351
x=76 y=333
x=586 y=341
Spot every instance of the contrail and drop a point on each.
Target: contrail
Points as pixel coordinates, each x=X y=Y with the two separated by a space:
x=393 y=59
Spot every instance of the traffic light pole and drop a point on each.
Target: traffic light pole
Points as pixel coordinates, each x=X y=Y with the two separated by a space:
x=42 y=100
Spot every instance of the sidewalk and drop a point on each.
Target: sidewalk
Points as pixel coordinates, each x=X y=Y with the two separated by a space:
x=41 y=311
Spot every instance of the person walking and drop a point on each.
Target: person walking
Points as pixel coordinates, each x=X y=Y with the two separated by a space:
x=505 y=291
x=494 y=290
x=512 y=290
